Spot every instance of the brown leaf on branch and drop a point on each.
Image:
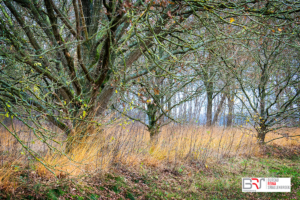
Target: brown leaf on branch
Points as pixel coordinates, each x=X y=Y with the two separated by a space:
x=127 y=4
x=169 y=14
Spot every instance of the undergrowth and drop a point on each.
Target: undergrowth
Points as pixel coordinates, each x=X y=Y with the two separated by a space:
x=185 y=181
x=184 y=164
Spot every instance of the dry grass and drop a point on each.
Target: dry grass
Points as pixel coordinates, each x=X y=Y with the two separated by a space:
x=131 y=145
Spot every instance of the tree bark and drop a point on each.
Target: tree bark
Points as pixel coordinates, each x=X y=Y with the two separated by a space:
x=209 y=104
x=153 y=126
x=262 y=106
x=261 y=133
x=219 y=109
x=230 y=110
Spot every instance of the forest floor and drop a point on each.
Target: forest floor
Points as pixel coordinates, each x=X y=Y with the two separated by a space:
x=186 y=181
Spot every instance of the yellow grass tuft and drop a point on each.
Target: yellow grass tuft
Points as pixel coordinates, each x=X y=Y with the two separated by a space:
x=132 y=146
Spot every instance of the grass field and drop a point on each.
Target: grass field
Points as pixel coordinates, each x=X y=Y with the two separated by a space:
x=186 y=162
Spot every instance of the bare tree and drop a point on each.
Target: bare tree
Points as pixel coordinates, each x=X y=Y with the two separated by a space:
x=266 y=78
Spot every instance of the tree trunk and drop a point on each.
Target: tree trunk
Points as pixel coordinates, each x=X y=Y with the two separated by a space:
x=261 y=137
x=154 y=131
x=261 y=133
x=153 y=126
x=84 y=129
x=105 y=97
x=230 y=110
x=262 y=95
x=209 y=105
x=219 y=109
